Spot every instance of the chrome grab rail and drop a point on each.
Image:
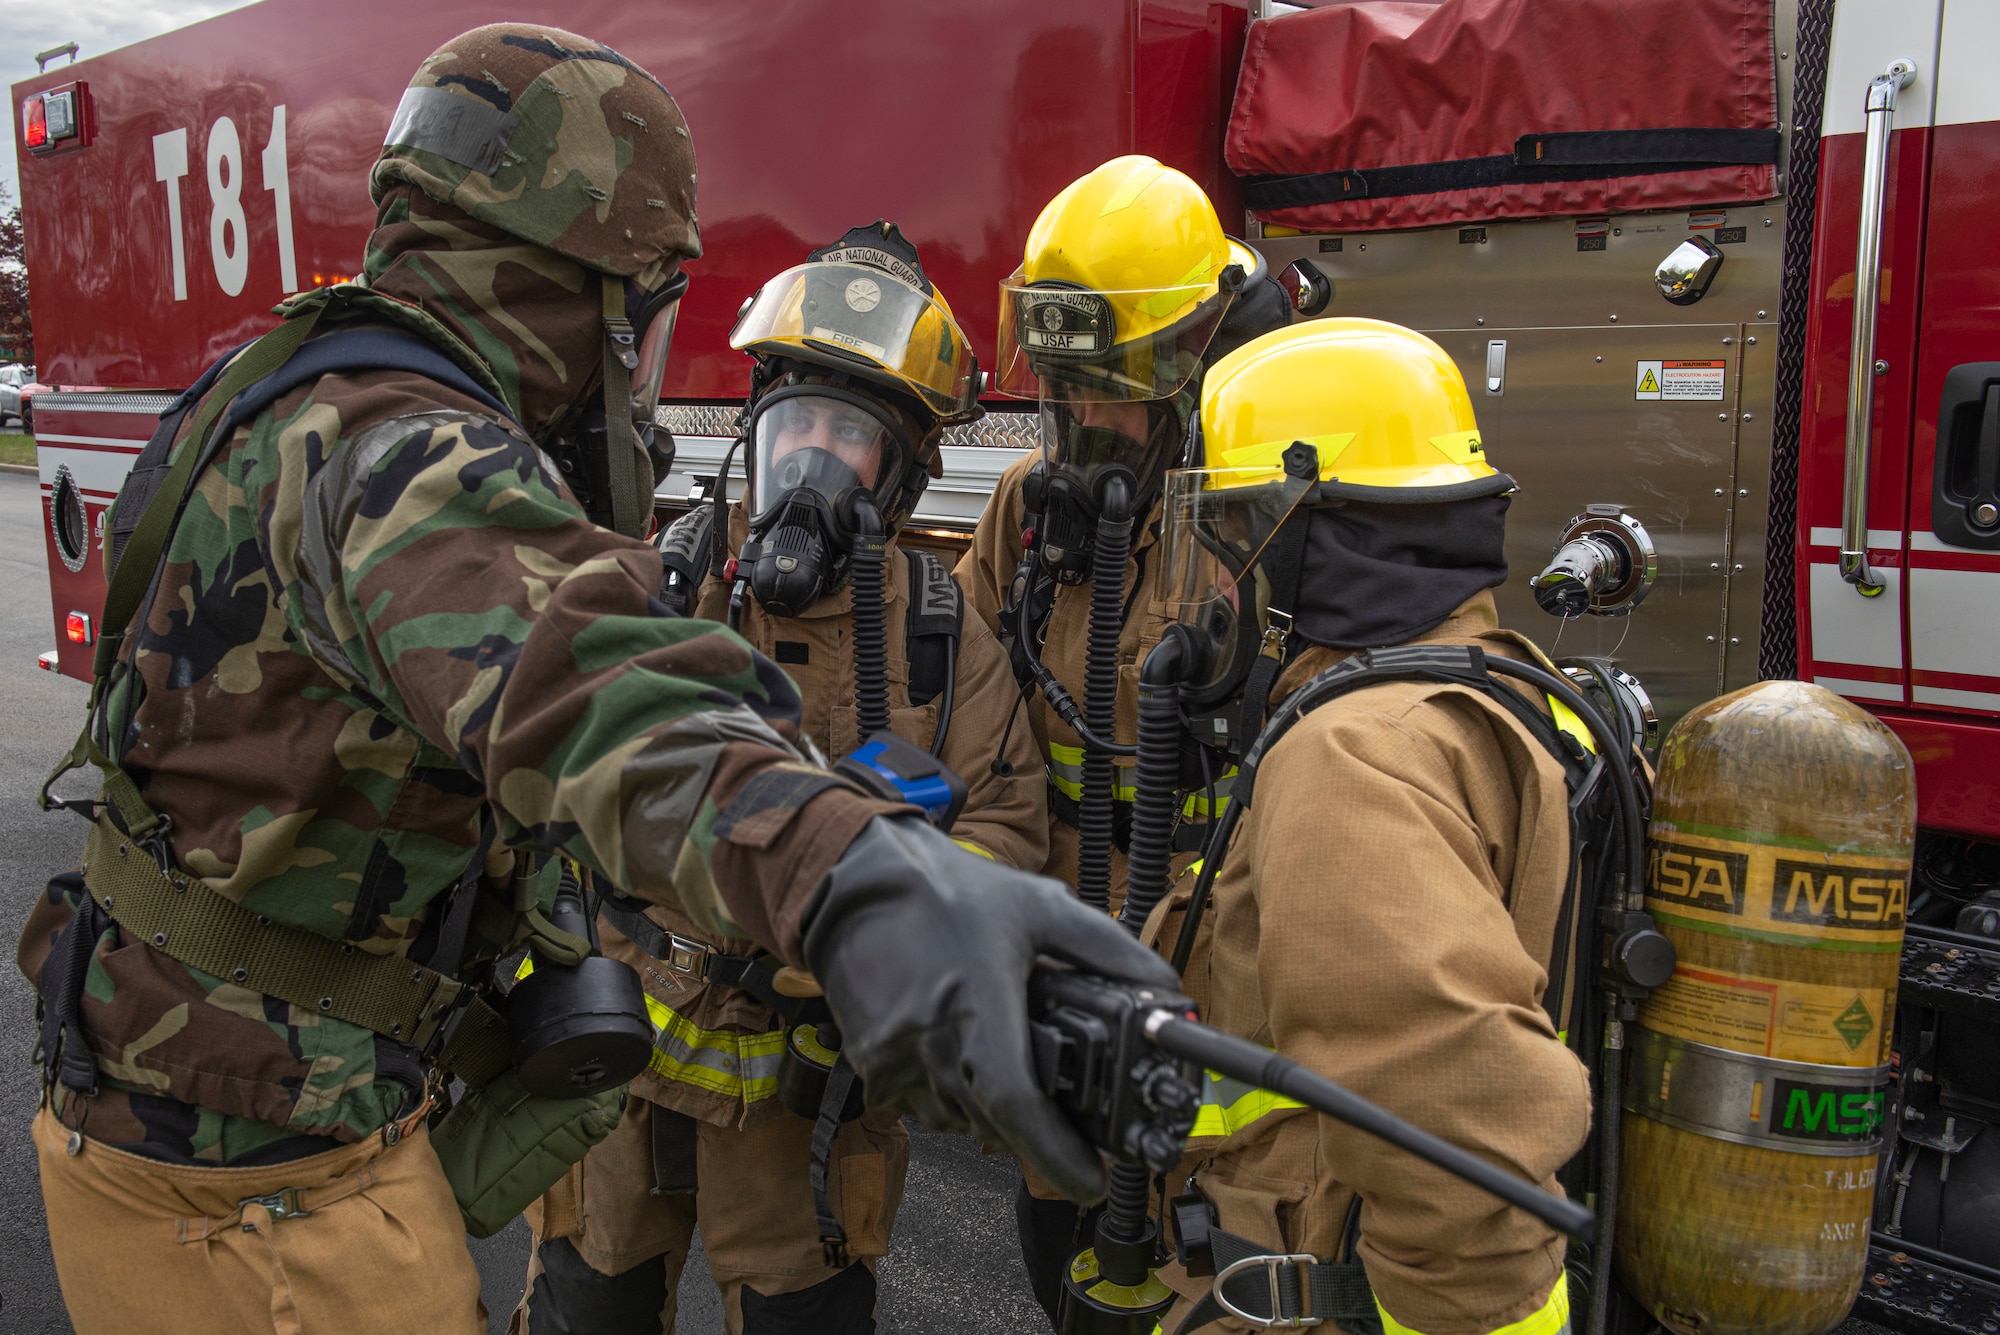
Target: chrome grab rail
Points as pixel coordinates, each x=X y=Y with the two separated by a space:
x=1861 y=372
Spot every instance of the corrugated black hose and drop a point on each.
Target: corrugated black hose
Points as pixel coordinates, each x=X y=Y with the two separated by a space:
x=1100 y=689
x=867 y=561
x=1125 y=1235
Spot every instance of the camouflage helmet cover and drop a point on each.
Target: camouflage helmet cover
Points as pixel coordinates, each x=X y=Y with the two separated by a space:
x=555 y=138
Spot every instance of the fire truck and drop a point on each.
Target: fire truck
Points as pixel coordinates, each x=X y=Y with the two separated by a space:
x=1719 y=274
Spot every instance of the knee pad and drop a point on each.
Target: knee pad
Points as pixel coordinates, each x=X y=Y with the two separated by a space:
x=570 y=1298
x=843 y=1305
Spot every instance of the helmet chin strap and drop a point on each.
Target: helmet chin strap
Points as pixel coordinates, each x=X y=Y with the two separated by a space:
x=631 y=500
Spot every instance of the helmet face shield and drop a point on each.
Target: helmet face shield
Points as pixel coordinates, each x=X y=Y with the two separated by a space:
x=864 y=318
x=813 y=439
x=1062 y=341
x=1218 y=523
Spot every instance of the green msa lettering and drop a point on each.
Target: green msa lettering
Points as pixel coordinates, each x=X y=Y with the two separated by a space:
x=1828 y=1113
x=1830 y=895
x=1698 y=878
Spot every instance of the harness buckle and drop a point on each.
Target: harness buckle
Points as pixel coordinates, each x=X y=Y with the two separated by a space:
x=1302 y=1264
x=688 y=957
x=286 y=1204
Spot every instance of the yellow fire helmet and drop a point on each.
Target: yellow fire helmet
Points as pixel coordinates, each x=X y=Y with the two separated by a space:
x=1124 y=279
x=1385 y=407
x=860 y=317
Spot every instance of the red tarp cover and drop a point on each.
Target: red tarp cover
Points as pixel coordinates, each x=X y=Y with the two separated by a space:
x=1399 y=113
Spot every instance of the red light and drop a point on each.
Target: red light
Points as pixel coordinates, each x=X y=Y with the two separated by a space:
x=35 y=121
x=77 y=627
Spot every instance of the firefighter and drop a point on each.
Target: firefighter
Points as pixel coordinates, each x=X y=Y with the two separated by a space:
x=1422 y=826
x=842 y=445
x=1126 y=288
x=381 y=653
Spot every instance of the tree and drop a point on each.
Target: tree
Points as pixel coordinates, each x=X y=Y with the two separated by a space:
x=17 y=331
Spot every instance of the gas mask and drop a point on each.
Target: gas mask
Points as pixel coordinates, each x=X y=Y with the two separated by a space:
x=613 y=461
x=1085 y=445
x=826 y=465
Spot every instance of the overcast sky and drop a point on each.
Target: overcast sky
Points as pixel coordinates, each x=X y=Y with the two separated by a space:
x=96 y=26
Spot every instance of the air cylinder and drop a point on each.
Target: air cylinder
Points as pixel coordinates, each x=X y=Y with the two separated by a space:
x=1778 y=862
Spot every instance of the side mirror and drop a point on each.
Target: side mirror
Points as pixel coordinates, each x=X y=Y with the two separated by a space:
x=1684 y=276
x=1309 y=290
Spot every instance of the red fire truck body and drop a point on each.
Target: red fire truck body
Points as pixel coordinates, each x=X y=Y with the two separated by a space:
x=1925 y=653
x=223 y=165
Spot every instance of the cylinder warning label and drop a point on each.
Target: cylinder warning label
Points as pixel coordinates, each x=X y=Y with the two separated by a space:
x=1696 y=382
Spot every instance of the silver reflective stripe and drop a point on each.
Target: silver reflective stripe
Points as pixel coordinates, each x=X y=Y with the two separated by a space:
x=457 y=127
x=1800 y=1107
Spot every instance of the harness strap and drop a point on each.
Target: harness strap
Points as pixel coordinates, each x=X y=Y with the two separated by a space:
x=1277 y=1289
x=832 y=1237
x=674 y=1146
x=65 y=1048
x=389 y=995
x=1281 y=568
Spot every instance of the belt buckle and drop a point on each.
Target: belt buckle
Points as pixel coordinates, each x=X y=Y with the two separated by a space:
x=1272 y=1264
x=284 y=1204
x=688 y=957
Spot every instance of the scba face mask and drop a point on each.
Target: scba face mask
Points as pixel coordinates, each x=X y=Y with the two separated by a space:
x=1084 y=446
x=825 y=465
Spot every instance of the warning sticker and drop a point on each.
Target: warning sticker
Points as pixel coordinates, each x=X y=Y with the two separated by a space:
x=1681 y=381
x=1793 y=1021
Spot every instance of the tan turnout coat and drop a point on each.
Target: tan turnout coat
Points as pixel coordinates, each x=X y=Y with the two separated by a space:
x=1385 y=917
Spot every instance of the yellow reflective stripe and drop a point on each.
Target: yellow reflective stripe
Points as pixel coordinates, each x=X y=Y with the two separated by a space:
x=722 y=1061
x=1551 y=1319
x=1066 y=774
x=1227 y=1105
x=1568 y=722
x=973 y=848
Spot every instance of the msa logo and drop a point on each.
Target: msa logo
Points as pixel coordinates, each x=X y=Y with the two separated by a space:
x=1827 y=1112
x=1699 y=878
x=1836 y=896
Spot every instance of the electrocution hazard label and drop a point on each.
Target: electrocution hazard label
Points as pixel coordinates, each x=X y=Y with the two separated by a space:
x=1681 y=381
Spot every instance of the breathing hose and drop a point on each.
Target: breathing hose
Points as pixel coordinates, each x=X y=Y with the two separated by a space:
x=1125 y=1238
x=867 y=560
x=1100 y=693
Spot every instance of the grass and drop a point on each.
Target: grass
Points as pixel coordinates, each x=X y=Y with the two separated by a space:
x=16 y=448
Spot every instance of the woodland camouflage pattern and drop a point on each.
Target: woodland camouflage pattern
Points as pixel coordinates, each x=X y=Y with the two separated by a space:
x=597 y=162
x=382 y=610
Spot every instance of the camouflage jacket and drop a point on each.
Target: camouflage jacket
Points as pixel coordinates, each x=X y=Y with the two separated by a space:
x=381 y=613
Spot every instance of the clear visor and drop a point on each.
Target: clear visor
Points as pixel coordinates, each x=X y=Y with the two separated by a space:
x=1218 y=523
x=816 y=443
x=1073 y=344
x=860 y=314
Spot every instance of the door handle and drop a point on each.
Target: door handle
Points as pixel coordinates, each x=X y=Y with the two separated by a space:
x=1881 y=116
x=1496 y=366
x=1965 y=477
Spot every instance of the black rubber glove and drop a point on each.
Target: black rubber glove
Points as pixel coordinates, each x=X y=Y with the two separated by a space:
x=924 y=952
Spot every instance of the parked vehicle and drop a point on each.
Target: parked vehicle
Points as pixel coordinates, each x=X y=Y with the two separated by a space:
x=12 y=378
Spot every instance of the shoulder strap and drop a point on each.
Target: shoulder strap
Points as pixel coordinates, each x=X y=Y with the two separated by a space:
x=936 y=623
x=150 y=468
x=687 y=553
